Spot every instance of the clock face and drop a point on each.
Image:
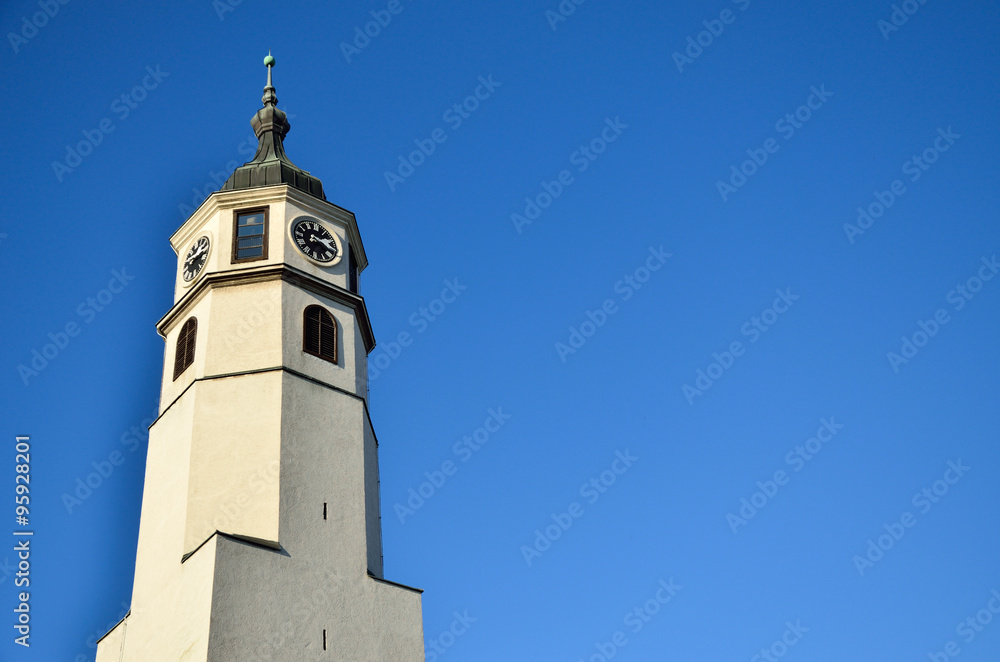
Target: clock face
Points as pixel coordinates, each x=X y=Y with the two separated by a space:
x=315 y=241
x=196 y=258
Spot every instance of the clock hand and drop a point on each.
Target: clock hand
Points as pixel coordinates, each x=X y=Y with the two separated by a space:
x=326 y=242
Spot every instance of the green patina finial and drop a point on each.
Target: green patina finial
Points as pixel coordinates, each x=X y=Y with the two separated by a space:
x=270 y=165
x=269 y=89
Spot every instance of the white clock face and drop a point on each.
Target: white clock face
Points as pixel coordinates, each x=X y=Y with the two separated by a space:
x=315 y=241
x=196 y=258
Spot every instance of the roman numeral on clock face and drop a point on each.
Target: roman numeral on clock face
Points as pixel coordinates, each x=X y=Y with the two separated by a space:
x=314 y=241
x=196 y=258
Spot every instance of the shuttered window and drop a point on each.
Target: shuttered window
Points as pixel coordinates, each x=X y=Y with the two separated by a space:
x=184 y=352
x=319 y=334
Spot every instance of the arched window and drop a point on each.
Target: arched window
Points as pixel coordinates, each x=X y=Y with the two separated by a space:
x=184 y=353
x=319 y=334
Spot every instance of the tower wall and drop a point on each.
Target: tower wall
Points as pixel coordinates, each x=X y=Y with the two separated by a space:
x=269 y=607
x=275 y=604
x=171 y=601
x=235 y=459
x=260 y=535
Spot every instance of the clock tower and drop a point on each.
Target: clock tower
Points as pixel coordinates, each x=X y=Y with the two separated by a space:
x=260 y=536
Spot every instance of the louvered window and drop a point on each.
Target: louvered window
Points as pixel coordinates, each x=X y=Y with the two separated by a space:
x=319 y=336
x=184 y=352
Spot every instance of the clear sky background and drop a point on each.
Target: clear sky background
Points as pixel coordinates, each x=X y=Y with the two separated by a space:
x=799 y=565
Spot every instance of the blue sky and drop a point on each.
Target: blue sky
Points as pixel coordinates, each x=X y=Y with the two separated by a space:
x=822 y=106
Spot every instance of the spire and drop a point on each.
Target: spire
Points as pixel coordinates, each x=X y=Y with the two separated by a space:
x=269 y=97
x=270 y=165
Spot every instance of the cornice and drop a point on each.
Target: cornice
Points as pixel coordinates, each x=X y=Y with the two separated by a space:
x=266 y=195
x=383 y=580
x=258 y=371
x=283 y=272
x=224 y=200
x=272 y=545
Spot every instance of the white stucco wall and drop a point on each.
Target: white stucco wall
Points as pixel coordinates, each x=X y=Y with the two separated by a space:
x=235 y=458
x=275 y=604
x=171 y=601
x=252 y=440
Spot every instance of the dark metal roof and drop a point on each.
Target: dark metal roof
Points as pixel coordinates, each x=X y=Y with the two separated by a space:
x=270 y=165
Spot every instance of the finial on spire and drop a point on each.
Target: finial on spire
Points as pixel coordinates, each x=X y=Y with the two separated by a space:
x=269 y=95
x=269 y=165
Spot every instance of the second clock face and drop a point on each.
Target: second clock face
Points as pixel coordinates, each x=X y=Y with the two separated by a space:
x=315 y=241
x=196 y=258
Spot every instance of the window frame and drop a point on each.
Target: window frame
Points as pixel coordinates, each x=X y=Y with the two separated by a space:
x=188 y=353
x=236 y=231
x=336 y=335
x=353 y=277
